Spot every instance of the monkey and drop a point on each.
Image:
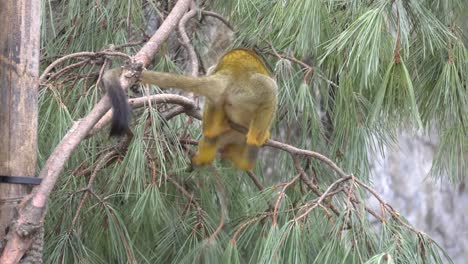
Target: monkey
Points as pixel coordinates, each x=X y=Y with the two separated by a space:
x=239 y=89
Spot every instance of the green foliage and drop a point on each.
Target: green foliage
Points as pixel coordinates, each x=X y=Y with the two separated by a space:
x=396 y=92
x=362 y=42
x=391 y=53
x=144 y=206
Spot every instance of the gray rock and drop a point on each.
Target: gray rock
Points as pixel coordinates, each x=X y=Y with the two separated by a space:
x=435 y=207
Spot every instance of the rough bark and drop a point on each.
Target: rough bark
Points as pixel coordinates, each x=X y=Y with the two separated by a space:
x=19 y=69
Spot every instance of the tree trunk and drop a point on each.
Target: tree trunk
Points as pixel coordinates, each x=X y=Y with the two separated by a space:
x=19 y=68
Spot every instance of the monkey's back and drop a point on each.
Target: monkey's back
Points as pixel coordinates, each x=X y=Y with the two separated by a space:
x=241 y=61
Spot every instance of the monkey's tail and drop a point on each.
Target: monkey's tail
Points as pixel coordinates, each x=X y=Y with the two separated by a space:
x=122 y=112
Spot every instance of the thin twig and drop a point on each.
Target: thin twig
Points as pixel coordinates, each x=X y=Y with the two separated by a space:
x=222 y=203
x=324 y=195
x=257 y=183
x=370 y=211
x=218 y=16
x=309 y=153
x=185 y=193
x=309 y=69
x=67 y=69
x=101 y=71
x=186 y=40
x=244 y=225
x=309 y=184
x=218 y=229
x=45 y=73
x=280 y=197
x=394 y=214
x=100 y=164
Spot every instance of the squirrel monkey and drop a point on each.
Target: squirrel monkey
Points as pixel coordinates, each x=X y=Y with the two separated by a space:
x=238 y=89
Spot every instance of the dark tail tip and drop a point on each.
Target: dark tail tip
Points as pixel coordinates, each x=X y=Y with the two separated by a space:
x=122 y=115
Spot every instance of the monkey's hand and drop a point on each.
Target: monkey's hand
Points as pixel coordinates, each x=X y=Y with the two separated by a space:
x=256 y=137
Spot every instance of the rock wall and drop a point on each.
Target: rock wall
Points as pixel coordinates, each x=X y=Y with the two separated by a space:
x=436 y=208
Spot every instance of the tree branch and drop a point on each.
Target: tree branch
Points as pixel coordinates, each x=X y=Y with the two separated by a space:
x=186 y=40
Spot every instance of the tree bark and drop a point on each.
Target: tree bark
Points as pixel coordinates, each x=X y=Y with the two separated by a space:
x=19 y=69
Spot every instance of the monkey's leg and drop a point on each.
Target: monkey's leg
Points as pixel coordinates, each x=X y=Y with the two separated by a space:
x=259 y=129
x=214 y=121
x=242 y=155
x=207 y=148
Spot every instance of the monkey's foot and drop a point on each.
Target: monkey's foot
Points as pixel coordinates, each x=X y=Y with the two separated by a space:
x=240 y=163
x=243 y=164
x=203 y=158
x=243 y=157
x=207 y=148
x=200 y=161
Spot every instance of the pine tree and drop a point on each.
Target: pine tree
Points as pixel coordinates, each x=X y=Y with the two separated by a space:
x=351 y=73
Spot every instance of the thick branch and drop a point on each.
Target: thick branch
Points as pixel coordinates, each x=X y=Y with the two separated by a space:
x=160 y=36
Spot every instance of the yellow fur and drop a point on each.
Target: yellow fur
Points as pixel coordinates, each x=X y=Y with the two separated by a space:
x=239 y=89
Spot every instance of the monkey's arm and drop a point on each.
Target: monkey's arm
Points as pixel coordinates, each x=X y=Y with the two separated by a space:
x=259 y=128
